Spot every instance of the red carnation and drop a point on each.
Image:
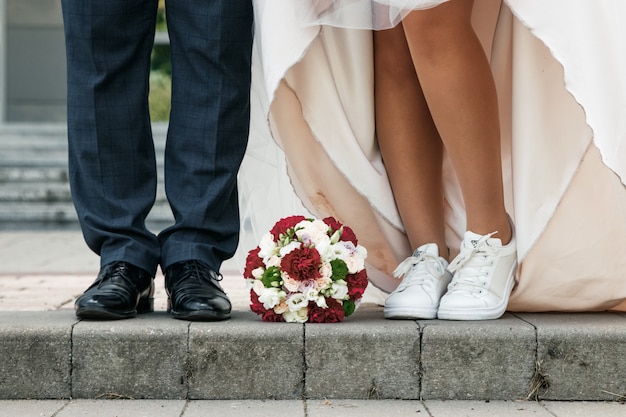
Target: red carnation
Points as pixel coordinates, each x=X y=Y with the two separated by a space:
x=285 y=224
x=255 y=305
x=270 y=315
x=252 y=262
x=357 y=283
x=302 y=264
x=333 y=314
x=347 y=235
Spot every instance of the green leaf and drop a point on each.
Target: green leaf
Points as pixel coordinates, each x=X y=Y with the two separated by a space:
x=348 y=307
x=340 y=269
x=271 y=275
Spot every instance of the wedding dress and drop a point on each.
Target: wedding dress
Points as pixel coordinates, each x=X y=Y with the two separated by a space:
x=558 y=66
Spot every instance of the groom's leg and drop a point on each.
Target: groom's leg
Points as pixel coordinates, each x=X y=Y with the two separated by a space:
x=211 y=44
x=111 y=153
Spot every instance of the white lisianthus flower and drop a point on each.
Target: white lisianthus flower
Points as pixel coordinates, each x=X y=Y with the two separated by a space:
x=310 y=293
x=321 y=302
x=299 y=316
x=267 y=247
x=339 y=290
x=258 y=272
x=273 y=260
x=314 y=232
x=297 y=302
x=361 y=251
x=341 y=251
x=288 y=248
x=271 y=297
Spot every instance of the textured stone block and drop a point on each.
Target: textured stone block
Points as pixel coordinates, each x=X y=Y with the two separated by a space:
x=581 y=356
x=492 y=359
x=365 y=357
x=245 y=358
x=145 y=357
x=35 y=348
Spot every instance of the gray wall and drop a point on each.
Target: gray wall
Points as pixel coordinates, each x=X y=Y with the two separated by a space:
x=35 y=77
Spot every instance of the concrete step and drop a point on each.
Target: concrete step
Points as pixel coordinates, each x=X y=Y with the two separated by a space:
x=34 y=187
x=52 y=355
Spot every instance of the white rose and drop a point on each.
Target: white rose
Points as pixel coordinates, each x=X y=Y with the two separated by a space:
x=289 y=283
x=354 y=264
x=258 y=287
x=326 y=270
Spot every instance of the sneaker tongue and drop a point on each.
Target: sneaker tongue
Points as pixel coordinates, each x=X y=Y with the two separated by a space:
x=470 y=239
x=430 y=248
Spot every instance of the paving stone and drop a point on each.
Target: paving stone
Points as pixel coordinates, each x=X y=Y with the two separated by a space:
x=245 y=358
x=30 y=408
x=145 y=357
x=586 y=409
x=35 y=349
x=581 y=356
x=139 y=408
x=365 y=357
x=247 y=408
x=493 y=359
x=364 y=408
x=461 y=408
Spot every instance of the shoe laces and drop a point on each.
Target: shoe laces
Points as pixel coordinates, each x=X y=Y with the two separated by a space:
x=473 y=266
x=200 y=271
x=118 y=271
x=423 y=269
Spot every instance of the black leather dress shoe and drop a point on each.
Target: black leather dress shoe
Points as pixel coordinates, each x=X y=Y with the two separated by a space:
x=194 y=292
x=120 y=291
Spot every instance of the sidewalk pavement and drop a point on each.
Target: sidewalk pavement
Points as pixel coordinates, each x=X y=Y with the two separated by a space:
x=355 y=368
x=310 y=408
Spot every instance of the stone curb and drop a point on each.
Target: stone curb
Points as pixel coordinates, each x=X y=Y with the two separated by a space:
x=52 y=355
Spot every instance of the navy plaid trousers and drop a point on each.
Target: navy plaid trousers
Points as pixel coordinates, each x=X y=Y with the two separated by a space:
x=111 y=152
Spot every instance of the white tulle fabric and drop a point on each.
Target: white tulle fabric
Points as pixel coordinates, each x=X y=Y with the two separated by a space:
x=558 y=66
x=358 y=14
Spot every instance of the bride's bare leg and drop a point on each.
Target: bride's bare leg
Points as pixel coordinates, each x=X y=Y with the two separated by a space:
x=458 y=85
x=408 y=140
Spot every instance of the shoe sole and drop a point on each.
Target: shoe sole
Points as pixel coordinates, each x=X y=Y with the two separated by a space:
x=408 y=313
x=103 y=314
x=200 y=315
x=145 y=305
x=490 y=313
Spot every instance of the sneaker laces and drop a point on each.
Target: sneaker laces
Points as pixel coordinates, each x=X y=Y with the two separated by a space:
x=419 y=270
x=469 y=266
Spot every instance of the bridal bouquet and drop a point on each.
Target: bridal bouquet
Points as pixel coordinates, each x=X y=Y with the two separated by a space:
x=306 y=270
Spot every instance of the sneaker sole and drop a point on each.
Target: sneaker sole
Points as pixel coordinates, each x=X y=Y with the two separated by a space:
x=408 y=313
x=490 y=313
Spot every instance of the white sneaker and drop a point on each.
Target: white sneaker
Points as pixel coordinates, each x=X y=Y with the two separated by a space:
x=425 y=281
x=484 y=273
